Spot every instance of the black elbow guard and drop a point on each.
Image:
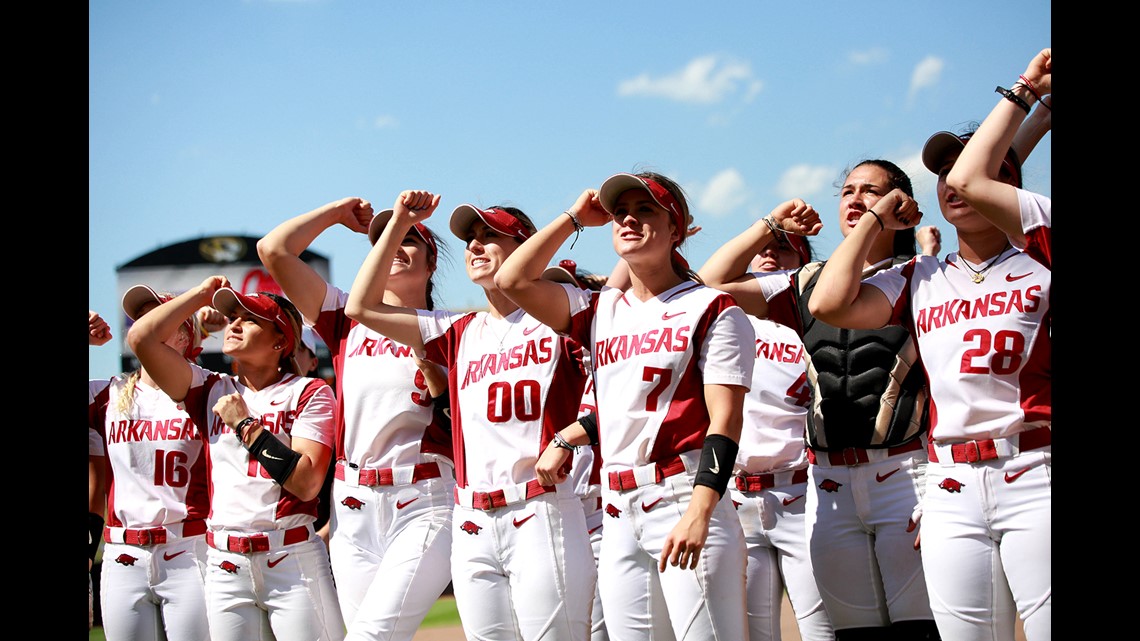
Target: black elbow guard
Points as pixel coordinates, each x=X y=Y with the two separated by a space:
x=718 y=458
x=589 y=422
x=276 y=457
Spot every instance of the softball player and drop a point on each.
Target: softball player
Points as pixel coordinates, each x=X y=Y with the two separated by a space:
x=151 y=586
x=867 y=425
x=268 y=435
x=771 y=471
x=520 y=553
x=393 y=489
x=982 y=319
x=671 y=372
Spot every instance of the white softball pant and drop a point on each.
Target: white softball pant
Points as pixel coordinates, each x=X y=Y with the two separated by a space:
x=156 y=592
x=987 y=547
x=592 y=508
x=778 y=557
x=524 y=571
x=865 y=564
x=706 y=603
x=391 y=555
x=288 y=590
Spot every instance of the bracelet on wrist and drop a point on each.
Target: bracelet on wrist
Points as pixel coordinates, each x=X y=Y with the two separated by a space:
x=560 y=441
x=882 y=227
x=1014 y=98
x=578 y=227
x=239 y=429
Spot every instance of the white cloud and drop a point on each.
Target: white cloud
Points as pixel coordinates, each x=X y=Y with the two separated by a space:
x=925 y=74
x=804 y=181
x=725 y=192
x=385 y=121
x=870 y=56
x=705 y=80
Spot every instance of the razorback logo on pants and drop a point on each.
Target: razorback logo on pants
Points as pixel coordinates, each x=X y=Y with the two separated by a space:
x=228 y=567
x=352 y=503
x=829 y=485
x=612 y=510
x=125 y=559
x=470 y=527
x=951 y=485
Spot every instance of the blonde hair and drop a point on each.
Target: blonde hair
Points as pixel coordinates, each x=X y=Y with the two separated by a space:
x=126 y=401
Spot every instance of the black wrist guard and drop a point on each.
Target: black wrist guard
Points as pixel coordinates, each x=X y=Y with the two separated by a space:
x=441 y=408
x=276 y=457
x=718 y=458
x=589 y=422
x=95 y=527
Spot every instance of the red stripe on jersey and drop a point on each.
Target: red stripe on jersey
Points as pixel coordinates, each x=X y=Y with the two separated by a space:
x=333 y=327
x=444 y=351
x=1036 y=378
x=687 y=420
x=782 y=307
x=564 y=395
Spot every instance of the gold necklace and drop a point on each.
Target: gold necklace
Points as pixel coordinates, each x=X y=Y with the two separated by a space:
x=979 y=275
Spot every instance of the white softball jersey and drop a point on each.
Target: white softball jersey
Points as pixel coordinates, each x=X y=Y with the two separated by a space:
x=651 y=361
x=156 y=470
x=384 y=417
x=986 y=345
x=514 y=382
x=775 y=409
x=244 y=497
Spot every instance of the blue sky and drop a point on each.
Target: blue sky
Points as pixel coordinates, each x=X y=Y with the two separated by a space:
x=230 y=116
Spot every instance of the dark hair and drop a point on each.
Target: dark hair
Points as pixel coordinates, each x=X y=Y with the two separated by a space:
x=441 y=250
x=904 y=245
x=288 y=363
x=680 y=266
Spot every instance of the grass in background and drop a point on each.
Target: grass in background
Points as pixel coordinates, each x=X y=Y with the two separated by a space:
x=441 y=614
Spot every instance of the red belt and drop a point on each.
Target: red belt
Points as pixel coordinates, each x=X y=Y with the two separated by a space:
x=857 y=455
x=758 y=482
x=155 y=535
x=625 y=480
x=260 y=542
x=498 y=498
x=987 y=449
x=372 y=478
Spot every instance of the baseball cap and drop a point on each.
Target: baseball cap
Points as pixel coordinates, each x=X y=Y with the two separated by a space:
x=226 y=301
x=309 y=339
x=940 y=145
x=498 y=219
x=137 y=297
x=618 y=184
x=566 y=271
x=380 y=221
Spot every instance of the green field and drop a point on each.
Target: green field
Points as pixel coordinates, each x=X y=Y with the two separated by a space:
x=442 y=613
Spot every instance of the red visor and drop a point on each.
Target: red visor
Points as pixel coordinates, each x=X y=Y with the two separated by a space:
x=226 y=301
x=498 y=219
x=618 y=184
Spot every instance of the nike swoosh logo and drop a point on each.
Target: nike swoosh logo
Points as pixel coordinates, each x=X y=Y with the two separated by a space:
x=166 y=556
x=519 y=523
x=793 y=499
x=528 y=332
x=404 y=504
x=645 y=507
x=715 y=469
x=1010 y=478
x=667 y=315
x=1010 y=277
x=274 y=563
x=268 y=455
x=882 y=477
x=277 y=402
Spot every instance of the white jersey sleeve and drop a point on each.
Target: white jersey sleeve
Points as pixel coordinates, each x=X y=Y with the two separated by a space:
x=775 y=409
